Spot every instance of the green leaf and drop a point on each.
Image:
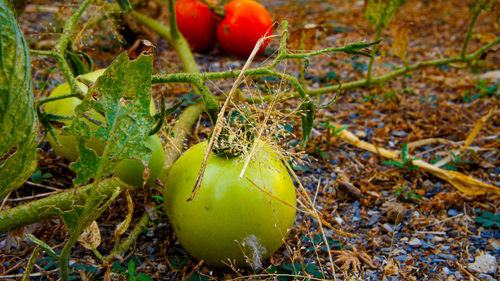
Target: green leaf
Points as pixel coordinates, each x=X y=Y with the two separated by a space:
x=125 y=5
x=488 y=223
x=379 y=12
x=131 y=268
x=307 y=116
x=122 y=95
x=488 y=215
x=404 y=152
x=42 y=245
x=79 y=62
x=18 y=122
x=496 y=217
x=395 y=163
x=143 y=277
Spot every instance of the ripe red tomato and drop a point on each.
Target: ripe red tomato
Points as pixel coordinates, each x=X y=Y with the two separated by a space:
x=245 y=23
x=197 y=23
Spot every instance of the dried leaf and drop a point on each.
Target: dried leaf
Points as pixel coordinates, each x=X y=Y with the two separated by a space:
x=395 y=212
x=353 y=259
x=90 y=237
x=400 y=42
x=463 y=183
x=391 y=268
x=486 y=38
x=123 y=226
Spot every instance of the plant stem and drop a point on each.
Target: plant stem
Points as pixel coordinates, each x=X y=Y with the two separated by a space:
x=42 y=53
x=52 y=206
x=372 y=59
x=180 y=131
x=46 y=100
x=121 y=249
x=179 y=44
x=64 y=256
x=68 y=32
x=475 y=15
x=174 y=29
x=31 y=264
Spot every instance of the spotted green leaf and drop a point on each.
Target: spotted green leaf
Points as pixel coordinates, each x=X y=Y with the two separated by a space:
x=18 y=122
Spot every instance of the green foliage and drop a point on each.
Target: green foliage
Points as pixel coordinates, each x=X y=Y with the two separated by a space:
x=405 y=163
x=379 y=12
x=78 y=61
x=123 y=95
x=18 y=122
x=39 y=175
x=477 y=6
x=358 y=48
x=316 y=242
x=132 y=276
x=332 y=129
x=125 y=5
x=307 y=116
x=42 y=245
x=487 y=219
x=407 y=194
x=296 y=271
x=482 y=89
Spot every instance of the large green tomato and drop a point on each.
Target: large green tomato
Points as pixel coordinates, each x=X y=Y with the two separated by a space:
x=230 y=216
x=129 y=170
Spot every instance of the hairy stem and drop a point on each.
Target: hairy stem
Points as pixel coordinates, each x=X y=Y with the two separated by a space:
x=179 y=43
x=121 y=249
x=68 y=32
x=473 y=20
x=372 y=59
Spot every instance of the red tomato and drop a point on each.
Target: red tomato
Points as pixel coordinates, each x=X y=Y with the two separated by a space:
x=197 y=23
x=245 y=23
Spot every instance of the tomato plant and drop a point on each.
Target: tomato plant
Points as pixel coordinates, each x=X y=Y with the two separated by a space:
x=245 y=23
x=129 y=170
x=228 y=215
x=197 y=23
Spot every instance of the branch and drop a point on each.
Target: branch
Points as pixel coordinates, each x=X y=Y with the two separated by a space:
x=179 y=43
x=122 y=248
x=50 y=207
x=68 y=32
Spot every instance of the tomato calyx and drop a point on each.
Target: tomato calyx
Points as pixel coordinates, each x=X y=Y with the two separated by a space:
x=219 y=11
x=237 y=135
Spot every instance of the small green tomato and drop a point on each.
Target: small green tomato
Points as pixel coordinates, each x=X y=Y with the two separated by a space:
x=230 y=219
x=129 y=170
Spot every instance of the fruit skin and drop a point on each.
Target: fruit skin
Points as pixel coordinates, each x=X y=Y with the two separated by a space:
x=197 y=23
x=226 y=209
x=245 y=23
x=128 y=170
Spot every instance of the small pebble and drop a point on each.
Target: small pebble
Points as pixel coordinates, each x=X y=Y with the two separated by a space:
x=446 y=270
x=447 y=257
x=387 y=227
x=437 y=239
x=399 y=133
x=493 y=245
x=452 y=212
x=428 y=185
x=360 y=134
x=484 y=264
x=415 y=243
x=486 y=277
